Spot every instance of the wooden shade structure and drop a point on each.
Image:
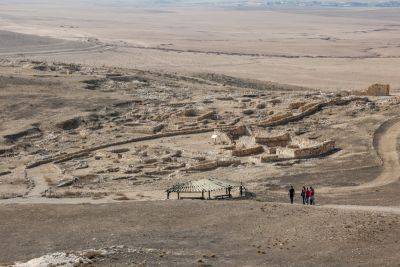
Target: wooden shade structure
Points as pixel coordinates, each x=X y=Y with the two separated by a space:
x=204 y=185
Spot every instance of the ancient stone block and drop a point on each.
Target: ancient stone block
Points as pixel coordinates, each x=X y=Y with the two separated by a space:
x=207 y=115
x=378 y=90
x=274 y=140
x=266 y=158
x=243 y=152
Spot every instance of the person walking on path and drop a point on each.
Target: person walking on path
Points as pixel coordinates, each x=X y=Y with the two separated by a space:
x=308 y=195
x=303 y=195
x=291 y=194
x=312 y=197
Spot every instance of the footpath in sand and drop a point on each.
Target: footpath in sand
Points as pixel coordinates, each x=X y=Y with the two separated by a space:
x=385 y=143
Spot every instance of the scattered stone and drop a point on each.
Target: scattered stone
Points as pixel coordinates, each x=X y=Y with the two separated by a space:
x=248 y=111
x=121 y=178
x=261 y=105
x=64 y=183
x=177 y=153
x=112 y=169
x=69 y=124
x=119 y=150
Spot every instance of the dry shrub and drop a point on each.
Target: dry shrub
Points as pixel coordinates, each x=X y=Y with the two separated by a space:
x=49 y=181
x=77 y=194
x=69 y=193
x=98 y=195
x=91 y=254
x=121 y=197
x=8 y=196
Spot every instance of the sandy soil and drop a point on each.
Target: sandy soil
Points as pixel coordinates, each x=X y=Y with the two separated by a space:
x=95 y=109
x=204 y=233
x=358 y=206
x=335 y=49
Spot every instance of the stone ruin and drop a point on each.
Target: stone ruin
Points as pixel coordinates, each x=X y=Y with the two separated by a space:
x=300 y=149
x=198 y=114
x=378 y=90
x=375 y=90
x=229 y=136
x=272 y=140
x=274 y=146
x=213 y=164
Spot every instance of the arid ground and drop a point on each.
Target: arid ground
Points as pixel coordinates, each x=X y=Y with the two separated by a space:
x=104 y=107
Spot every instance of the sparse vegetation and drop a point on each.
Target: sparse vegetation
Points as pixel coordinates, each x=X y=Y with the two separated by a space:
x=93 y=130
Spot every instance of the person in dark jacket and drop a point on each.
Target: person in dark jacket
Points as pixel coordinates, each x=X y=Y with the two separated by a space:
x=303 y=195
x=291 y=194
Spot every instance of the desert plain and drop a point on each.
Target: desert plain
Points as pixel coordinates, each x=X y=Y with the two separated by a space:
x=104 y=106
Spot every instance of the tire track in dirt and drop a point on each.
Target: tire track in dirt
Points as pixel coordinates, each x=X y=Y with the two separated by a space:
x=258 y=55
x=94 y=48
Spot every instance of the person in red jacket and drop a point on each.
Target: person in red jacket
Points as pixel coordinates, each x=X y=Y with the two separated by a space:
x=312 y=197
x=308 y=195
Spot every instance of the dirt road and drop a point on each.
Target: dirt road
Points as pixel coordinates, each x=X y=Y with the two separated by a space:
x=385 y=143
x=379 y=209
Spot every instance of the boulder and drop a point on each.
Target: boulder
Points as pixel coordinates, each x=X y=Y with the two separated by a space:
x=248 y=111
x=69 y=124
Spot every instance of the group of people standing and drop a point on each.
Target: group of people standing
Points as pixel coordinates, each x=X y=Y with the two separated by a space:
x=307 y=195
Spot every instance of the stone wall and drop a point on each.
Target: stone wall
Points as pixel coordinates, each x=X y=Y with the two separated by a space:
x=315 y=151
x=276 y=118
x=221 y=138
x=307 y=106
x=375 y=90
x=309 y=111
x=243 y=152
x=282 y=139
x=211 y=165
x=306 y=111
x=296 y=105
x=86 y=151
x=307 y=152
x=246 y=141
x=378 y=90
x=147 y=129
x=267 y=158
x=234 y=133
x=207 y=115
x=231 y=131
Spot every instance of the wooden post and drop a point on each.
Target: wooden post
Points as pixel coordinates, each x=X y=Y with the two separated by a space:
x=167 y=194
x=209 y=195
x=202 y=194
x=178 y=196
x=229 y=192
